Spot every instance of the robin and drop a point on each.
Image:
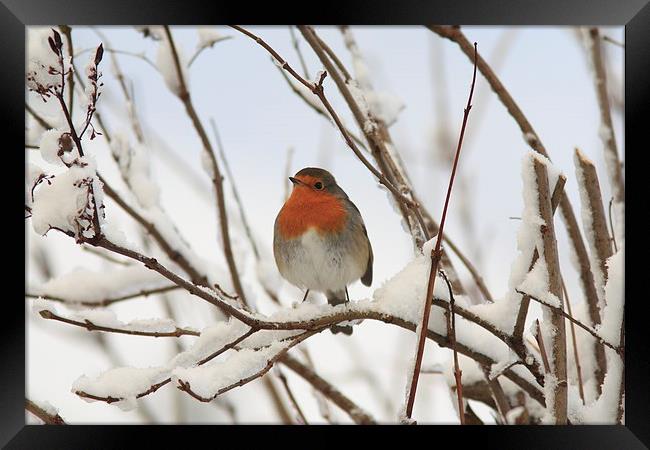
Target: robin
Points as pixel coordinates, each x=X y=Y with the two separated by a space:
x=320 y=241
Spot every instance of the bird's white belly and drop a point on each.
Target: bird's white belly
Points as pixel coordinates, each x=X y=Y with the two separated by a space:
x=321 y=264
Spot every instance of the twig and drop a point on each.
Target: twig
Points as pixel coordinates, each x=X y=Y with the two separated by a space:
x=612 y=161
x=105 y=256
x=233 y=185
x=296 y=45
x=587 y=328
x=217 y=178
x=140 y=56
x=41 y=121
x=613 y=41
x=435 y=255
x=292 y=397
x=67 y=32
x=581 y=389
x=355 y=412
x=107 y=301
x=542 y=348
x=203 y=47
x=451 y=332
x=500 y=400
x=46 y=417
x=90 y=326
x=611 y=224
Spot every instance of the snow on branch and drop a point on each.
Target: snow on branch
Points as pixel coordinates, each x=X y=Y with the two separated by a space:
x=106 y=321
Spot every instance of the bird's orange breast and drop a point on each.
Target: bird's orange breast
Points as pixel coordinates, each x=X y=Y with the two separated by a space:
x=305 y=209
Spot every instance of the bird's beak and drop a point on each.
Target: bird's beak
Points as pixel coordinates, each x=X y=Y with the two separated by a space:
x=295 y=181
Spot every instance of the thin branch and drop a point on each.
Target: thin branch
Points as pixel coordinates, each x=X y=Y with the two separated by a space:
x=611 y=224
x=542 y=347
x=217 y=178
x=356 y=413
x=67 y=32
x=203 y=47
x=140 y=56
x=292 y=397
x=41 y=121
x=619 y=350
x=612 y=161
x=576 y=357
x=500 y=400
x=436 y=253
x=235 y=193
x=90 y=326
x=451 y=332
x=107 y=301
x=613 y=41
x=296 y=45
x=45 y=416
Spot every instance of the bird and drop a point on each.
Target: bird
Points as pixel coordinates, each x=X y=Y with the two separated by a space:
x=320 y=241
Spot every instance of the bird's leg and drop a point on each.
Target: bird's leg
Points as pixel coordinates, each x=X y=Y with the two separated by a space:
x=347 y=296
x=305 y=297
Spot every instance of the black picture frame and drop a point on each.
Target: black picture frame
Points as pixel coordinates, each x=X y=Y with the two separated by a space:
x=15 y=15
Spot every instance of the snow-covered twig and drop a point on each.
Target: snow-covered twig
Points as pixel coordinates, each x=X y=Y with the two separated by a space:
x=435 y=259
x=594 y=221
x=558 y=360
x=47 y=413
x=612 y=161
x=558 y=192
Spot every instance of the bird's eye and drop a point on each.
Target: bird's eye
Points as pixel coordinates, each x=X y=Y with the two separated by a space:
x=318 y=185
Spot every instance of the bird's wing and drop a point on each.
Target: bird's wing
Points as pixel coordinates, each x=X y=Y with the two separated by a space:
x=367 y=276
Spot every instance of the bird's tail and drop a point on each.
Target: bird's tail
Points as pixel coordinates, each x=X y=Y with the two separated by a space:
x=336 y=298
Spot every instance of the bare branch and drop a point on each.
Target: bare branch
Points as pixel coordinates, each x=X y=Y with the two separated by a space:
x=435 y=258
x=107 y=301
x=576 y=357
x=291 y=396
x=90 y=326
x=358 y=415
